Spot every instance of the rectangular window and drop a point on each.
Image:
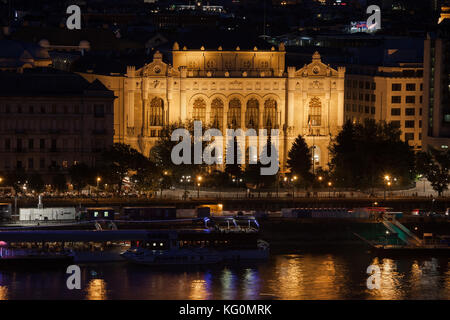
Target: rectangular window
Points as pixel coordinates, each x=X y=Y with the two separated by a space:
x=373 y=98
x=410 y=87
x=366 y=109
x=42 y=163
x=396 y=99
x=367 y=85
x=8 y=144
x=361 y=84
x=396 y=87
x=367 y=97
x=42 y=144
x=410 y=111
x=396 y=124
x=99 y=110
x=410 y=99
x=420 y=123
x=374 y=85
x=30 y=163
x=396 y=111
x=31 y=144
x=409 y=124
x=372 y=110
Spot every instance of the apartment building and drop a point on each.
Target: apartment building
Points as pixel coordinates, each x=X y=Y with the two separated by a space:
x=50 y=120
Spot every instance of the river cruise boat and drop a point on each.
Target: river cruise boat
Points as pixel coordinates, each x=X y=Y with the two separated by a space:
x=197 y=247
x=33 y=258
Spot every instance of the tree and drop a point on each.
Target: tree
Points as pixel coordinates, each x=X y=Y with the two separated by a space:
x=147 y=176
x=162 y=151
x=299 y=159
x=362 y=154
x=118 y=160
x=252 y=173
x=36 y=183
x=234 y=170
x=80 y=175
x=59 y=182
x=435 y=165
x=17 y=179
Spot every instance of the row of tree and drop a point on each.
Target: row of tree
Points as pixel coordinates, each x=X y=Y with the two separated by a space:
x=361 y=156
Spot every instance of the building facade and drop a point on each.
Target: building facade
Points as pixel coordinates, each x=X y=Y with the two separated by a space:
x=52 y=120
x=229 y=89
x=437 y=88
x=392 y=94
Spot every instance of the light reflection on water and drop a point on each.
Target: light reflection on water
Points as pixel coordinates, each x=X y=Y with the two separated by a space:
x=289 y=276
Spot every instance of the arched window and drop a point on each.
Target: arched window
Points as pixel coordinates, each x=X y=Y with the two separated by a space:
x=315 y=152
x=270 y=114
x=156 y=116
x=252 y=114
x=217 y=113
x=234 y=113
x=199 y=113
x=315 y=112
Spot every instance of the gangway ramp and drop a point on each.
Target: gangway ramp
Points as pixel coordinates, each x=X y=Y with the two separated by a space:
x=411 y=235
x=402 y=233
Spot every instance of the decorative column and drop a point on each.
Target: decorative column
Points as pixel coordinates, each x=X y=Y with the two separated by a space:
x=183 y=106
x=130 y=87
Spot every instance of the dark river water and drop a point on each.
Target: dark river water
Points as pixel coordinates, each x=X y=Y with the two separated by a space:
x=336 y=275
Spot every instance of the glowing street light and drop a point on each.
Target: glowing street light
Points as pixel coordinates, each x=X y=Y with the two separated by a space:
x=199 y=179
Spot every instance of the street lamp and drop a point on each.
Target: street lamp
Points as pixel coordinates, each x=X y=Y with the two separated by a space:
x=389 y=186
x=98 y=181
x=329 y=189
x=185 y=180
x=293 y=179
x=199 y=179
x=387 y=178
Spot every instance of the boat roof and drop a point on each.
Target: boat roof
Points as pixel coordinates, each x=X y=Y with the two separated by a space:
x=90 y=235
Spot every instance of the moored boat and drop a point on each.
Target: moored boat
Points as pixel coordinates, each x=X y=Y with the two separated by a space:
x=206 y=247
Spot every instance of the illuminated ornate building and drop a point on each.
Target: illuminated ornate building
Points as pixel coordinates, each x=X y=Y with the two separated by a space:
x=229 y=89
